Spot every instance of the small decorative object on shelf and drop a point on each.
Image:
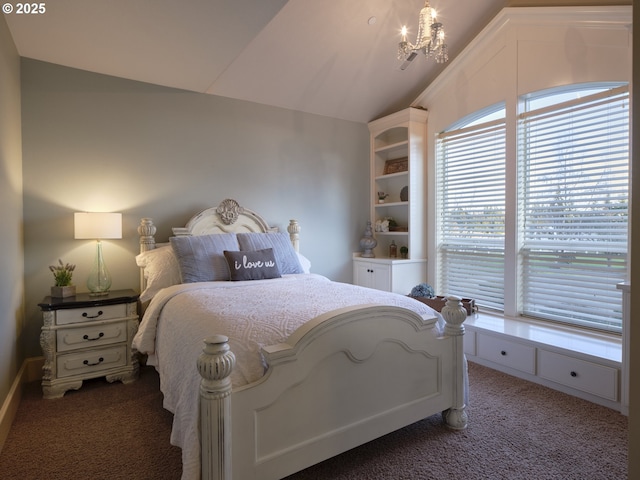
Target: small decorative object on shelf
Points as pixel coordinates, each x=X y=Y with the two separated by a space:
x=393 y=250
x=367 y=242
x=404 y=194
x=396 y=165
x=382 y=225
x=382 y=196
x=62 y=273
x=404 y=252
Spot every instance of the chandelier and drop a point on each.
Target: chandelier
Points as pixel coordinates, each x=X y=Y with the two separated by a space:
x=430 y=39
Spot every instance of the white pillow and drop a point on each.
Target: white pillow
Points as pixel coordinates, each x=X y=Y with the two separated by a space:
x=160 y=270
x=305 y=263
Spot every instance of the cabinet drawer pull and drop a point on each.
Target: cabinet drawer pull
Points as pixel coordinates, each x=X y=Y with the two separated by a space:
x=86 y=337
x=100 y=360
x=503 y=353
x=573 y=374
x=86 y=315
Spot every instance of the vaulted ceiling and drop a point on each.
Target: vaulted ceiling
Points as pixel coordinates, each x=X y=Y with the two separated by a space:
x=331 y=57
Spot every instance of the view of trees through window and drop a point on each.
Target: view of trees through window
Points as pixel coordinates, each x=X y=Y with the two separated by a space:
x=567 y=210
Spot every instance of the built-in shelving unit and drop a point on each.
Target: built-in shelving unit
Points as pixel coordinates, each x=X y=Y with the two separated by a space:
x=398 y=153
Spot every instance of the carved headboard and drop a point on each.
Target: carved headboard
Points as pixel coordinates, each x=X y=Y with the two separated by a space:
x=227 y=217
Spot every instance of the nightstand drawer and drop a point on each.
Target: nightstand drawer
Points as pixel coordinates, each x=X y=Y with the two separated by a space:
x=579 y=374
x=91 y=335
x=77 y=315
x=90 y=361
x=507 y=353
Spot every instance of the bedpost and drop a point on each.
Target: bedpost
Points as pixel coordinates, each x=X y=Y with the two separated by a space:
x=215 y=364
x=455 y=315
x=147 y=231
x=294 y=234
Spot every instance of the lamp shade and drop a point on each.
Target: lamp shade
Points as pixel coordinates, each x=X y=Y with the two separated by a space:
x=97 y=225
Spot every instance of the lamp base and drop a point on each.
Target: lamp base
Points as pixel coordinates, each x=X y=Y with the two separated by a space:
x=99 y=281
x=98 y=294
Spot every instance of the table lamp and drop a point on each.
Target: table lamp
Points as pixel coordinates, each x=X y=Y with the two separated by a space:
x=98 y=226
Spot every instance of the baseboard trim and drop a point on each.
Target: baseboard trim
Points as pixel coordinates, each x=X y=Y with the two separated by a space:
x=31 y=370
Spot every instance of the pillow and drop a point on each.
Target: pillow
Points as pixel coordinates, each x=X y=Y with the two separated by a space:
x=201 y=257
x=286 y=256
x=160 y=270
x=255 y=265
x=305 y=263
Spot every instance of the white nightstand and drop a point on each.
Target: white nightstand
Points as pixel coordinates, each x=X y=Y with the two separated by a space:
x=88 y=337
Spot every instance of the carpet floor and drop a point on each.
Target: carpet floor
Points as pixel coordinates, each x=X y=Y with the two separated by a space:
x=517 y=430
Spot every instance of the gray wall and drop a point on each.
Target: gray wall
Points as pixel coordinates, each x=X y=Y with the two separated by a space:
x=11 y=260
x=98 y=143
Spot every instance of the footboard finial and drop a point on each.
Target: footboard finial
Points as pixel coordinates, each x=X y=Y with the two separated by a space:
x=215 y=364
x=455 y=315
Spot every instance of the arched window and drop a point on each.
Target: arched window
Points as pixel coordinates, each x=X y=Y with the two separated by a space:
x=570 y=224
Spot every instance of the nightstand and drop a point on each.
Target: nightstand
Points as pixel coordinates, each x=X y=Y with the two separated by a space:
x=88 y=337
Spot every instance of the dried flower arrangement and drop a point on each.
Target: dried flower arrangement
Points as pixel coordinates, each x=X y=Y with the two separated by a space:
x=63 y=272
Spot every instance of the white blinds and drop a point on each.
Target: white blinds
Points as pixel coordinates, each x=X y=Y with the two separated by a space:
x=574 y=167
x=471 y=196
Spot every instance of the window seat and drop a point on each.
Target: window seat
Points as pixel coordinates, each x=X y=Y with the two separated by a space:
x=582 y=363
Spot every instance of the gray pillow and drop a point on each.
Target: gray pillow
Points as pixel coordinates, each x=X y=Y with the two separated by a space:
x=286 y=256
x=201 y=257
x=256 y=265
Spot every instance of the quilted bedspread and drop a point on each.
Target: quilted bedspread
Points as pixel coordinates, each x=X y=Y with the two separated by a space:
x=253 y=314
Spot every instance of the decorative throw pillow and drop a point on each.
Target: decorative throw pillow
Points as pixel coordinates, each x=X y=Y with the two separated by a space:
x=256 y=265
x=286 y=256
x=160 y=269
x=201 y=257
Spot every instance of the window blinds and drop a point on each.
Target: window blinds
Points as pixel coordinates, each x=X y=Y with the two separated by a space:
x=573 y=192
x=471 y=195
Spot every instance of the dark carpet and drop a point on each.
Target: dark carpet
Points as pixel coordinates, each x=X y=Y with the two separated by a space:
x=517 y=430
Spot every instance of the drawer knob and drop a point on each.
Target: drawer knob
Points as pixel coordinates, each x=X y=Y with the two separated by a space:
x=86 y=315
x=503 y=353
x=573 y=374
x=100 y=360
x=86 y=337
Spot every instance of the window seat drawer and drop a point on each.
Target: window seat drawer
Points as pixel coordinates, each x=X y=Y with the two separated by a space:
x=579 y=374
x=507 y=353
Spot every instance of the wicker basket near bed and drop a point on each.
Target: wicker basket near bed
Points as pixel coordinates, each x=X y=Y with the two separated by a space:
x=438 y=302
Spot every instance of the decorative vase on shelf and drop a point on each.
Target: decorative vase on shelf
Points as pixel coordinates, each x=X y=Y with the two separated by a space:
x=393 y=250
x=404 y=194
x=367 y=242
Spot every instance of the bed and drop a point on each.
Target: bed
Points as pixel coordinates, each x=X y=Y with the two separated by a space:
x=296 y=368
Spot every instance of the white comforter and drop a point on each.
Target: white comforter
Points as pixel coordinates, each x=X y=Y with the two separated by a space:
x=253 y=314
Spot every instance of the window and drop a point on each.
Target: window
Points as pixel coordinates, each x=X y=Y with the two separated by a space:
x=570 y=223
x=471 y=208
x=574 y=176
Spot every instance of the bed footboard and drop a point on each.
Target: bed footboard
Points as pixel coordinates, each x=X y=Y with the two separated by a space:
x=341 y=380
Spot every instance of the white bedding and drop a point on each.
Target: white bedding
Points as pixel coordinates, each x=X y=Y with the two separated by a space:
x=253 y=314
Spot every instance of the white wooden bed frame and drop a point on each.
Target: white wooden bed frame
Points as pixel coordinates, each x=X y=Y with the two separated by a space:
x=341 y=380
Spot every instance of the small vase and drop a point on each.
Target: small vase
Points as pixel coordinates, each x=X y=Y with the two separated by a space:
x=63 y=292
x=367 y=242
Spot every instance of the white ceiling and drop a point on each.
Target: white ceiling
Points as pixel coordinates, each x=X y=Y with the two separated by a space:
x=324 y=57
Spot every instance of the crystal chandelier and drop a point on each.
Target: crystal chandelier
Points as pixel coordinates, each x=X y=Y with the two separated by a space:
x=430 y=39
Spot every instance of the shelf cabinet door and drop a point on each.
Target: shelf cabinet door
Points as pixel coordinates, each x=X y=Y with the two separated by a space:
x=372 y=275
